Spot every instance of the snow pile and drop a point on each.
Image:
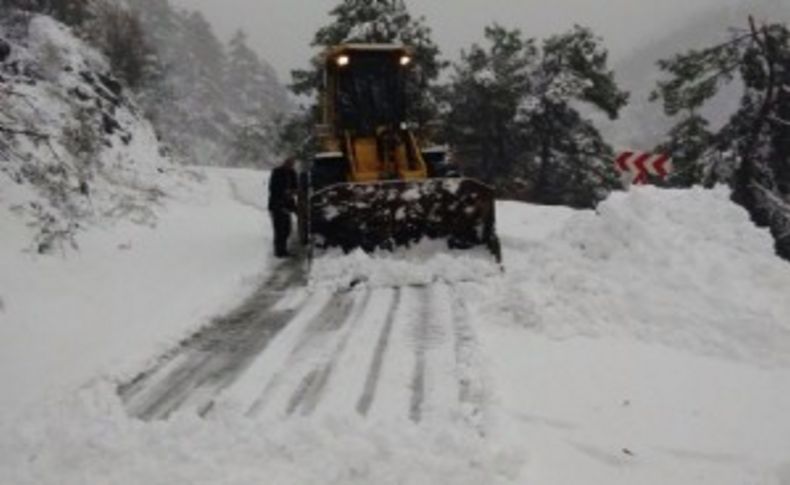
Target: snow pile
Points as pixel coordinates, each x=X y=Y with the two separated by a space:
x=645 y=343
x=426 y=263
x=89 y=439
x=685 y=268
x=78 y=150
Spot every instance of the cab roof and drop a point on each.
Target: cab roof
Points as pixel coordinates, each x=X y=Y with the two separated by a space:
x=358 y=47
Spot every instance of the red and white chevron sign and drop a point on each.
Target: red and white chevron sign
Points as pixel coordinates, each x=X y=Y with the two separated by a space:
x=640 y=164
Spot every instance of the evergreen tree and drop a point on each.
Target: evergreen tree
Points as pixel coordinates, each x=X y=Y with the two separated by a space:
x=212 y=104
x=376 y=21
x=255 y=99
x=751 y=152
x=295 y=134
x=688 y=142
x=484 y=95
x=514 y=115
x=119 y=34
x=186 y=98
x=252 y=84
x=163 y=92
x=252 y=144
x=71 y=12
x=573 y=162
x=209 y=105
x=243 y=74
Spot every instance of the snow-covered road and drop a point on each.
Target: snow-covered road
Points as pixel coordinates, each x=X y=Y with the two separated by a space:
x=191 y=375
x=389 y=353
x=646 y=343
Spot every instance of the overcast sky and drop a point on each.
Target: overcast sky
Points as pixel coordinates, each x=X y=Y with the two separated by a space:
x=281 y=30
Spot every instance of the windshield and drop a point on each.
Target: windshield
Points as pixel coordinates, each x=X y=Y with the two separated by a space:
x=369 y=93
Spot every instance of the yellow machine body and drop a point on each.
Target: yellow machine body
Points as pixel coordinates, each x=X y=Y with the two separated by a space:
x=375 y=153
x=376 y=183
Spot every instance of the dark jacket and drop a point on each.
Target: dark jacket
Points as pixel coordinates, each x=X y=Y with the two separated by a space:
x=282 y=189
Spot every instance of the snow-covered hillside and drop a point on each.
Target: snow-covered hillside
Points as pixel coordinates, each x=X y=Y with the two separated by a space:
x=645 y=343
x=213 y=103
x=74 y=148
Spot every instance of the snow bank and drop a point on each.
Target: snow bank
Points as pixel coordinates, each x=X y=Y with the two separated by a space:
x=615 y=411
x=643 y=343
x=686 y=268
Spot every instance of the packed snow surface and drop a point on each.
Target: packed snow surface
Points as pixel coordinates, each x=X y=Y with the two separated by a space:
x=643 y=343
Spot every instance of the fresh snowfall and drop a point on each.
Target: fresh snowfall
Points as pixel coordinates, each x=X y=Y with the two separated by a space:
x=645 y=342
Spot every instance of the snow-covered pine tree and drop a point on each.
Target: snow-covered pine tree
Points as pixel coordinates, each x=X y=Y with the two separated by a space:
x=255 y=97
x=296 y=134
x=375 y=21
x=186 y=97
x=117 y=31
x=687 y=142
x=752 y=151
x=243 y=73
x=212 y=105
x=573 y=163
x=485 y=91
x=71 y=12
x=534 y=143
x=161 y=94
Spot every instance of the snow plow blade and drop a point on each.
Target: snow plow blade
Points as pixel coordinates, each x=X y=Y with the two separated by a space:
x=391 y=214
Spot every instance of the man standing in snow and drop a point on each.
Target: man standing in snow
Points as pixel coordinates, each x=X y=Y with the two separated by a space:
x=282 y=201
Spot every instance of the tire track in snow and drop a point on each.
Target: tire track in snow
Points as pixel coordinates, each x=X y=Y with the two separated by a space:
x=319 y=376
x=374 y=373
x=214 y=357
x=418 y=369
x=447 y=380
x=471 y=380
x=420 y=349
x=435 y=383
x=395 y=353
x=314 y=344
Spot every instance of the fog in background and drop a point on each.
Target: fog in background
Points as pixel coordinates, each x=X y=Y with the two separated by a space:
x=637 y=32
x=281 y=30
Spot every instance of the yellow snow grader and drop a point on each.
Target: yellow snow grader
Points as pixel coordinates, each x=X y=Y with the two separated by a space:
x=376 y=183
